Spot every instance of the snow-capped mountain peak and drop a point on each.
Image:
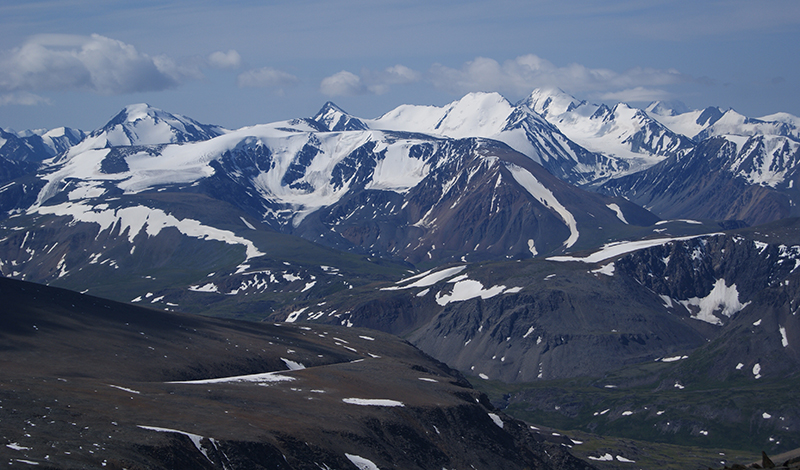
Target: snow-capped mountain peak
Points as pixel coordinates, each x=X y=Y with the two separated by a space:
x=551 y=101
x=142 y=124
x=334 y=118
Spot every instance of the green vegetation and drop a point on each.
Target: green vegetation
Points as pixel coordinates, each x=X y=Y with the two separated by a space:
x=639 y=403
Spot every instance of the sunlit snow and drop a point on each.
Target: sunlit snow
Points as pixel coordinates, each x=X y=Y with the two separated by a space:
x=264 y=378
x=497 y=420
x=611 y=250
x=468 y=289
x=722 y=299
x=139 y=218
x=617 y=211
x=546 y=197
x=372 y=402
x=428 y=278
x=361 y=463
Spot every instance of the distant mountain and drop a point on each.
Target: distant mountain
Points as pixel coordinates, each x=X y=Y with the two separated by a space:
x=489 y=115
x=35 y=146
x=619 y=131
x=713 y=122
x=754 y=179
x=142 y=124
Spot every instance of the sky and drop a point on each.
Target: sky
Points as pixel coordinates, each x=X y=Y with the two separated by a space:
x=77 y=63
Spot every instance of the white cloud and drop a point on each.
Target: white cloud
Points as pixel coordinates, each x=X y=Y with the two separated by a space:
x=378 y=82
x=343 y=83
x=225 y=60
x=640 y=94
x=95 y=63
x=525 y=73
x=23 y=98
x=265 y=77
x=370 y=81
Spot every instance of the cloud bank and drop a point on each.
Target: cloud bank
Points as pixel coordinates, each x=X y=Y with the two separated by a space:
x=378 y=82
x=517 y=76
x=265 y=77
x=94 y=63
x=525 y=73
x=225 y=60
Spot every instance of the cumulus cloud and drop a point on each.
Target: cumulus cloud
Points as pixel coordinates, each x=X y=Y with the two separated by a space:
x=376 y=82
x=23 y=98
x=343 y=83
x=636 y=94
x=95 y=63
x=225 y=60
x=265 y=77
x=525 y=73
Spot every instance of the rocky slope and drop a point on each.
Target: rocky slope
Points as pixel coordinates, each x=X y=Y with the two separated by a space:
x=753 y=179
x=91 y=383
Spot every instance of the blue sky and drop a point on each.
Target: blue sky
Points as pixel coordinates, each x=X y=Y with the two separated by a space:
x=237 y=63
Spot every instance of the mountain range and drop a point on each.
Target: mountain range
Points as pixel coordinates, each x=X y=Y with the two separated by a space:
x=548 y=240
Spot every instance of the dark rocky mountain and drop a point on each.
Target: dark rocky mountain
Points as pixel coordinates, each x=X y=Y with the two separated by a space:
x=574 y=316
x=89 y=383
x=37 y=146
x=751 y=179
x=642 y=322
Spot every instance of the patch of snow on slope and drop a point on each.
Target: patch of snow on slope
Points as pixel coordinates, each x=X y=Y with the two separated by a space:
x=292 y=365
x=264 y=378
x=607 y=269
x=398 y=171
x=617 y=211
x=361 y=463
x=152 y=221
x=497 y=420
x=722 y=298
x=546 y=197
x=784 y=338
x=428 y=278
x=195 y=438
x=210 y=287
x=373 y=402
x=611 y=250
x=468 y=289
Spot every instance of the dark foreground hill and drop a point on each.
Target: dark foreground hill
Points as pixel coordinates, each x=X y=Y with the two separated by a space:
x=88 y=383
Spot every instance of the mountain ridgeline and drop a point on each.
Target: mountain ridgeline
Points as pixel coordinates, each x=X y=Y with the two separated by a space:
x=548 y=240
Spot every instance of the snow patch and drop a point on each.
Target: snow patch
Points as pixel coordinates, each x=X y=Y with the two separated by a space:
x=372 y=402
x=361 y=463
x=195 y=438
x=136 y=219
x=607 y=269
x=292 y=365
x=427 y=278
x=617 y=211
x=611 y=250
x=722 y=298
x=784 y=338
x=545 y=197
x=468 y=289
x=264 y=378
x=497 y=420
